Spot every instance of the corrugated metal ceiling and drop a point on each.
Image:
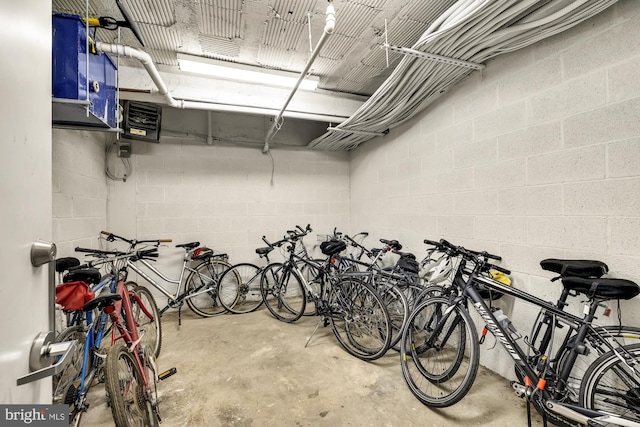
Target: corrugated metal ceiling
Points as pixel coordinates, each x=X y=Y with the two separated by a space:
x=273 y=33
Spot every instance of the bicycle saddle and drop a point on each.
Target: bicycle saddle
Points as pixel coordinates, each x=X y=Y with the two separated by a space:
x=605 y=289
x=575 y=267
x=90 y=276
x=394 y=244
x=101 y=302
x=189 y=246
x=63 y=264
x=263 y=251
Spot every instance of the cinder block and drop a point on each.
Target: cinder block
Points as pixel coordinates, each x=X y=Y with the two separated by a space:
x=456 y=180
x=511 y=173
x=503 y=229
x=543 y=138
x=539 y=76
x=407 y=169
x=526 y=258
x=583 y=233
x=502 y=120
x=478 y=153
x=609 y=123
x=164 y=179
x=161 y=210
x=622 y=80
x=579 y=164
x=62 y=204
x=479 y=96
x=539 y=200
x=623 y=158
x=181 y=194
x=146 y=162
x=581 y=94
x=437 y=162
x=458 y=135
x=477 y=202
x=615 y=44
x=423 y=145
x=623 y=236
x=146 y=194
x=608 y=197
x=456 y=226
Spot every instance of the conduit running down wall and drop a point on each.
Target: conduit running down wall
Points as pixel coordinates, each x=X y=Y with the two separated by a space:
x=471 y=30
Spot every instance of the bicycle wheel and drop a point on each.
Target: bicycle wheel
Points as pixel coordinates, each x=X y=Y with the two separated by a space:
x=359 y=319
x=151 y=329
x=202 y=288
x=125 y=387
x=65 y=383
x=612 y=383
x=439 y=352
x=615 y=335
x=398 y=309
x=282 y=292
x=239 y=288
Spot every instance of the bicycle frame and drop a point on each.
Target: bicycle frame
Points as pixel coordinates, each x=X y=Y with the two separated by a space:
x=179 y=295
x=533 y=382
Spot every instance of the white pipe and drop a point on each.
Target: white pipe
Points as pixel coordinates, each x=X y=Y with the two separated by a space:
x=328 y=30
x=148 y=64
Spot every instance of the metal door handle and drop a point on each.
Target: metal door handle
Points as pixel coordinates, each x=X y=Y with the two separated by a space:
x=43 y=351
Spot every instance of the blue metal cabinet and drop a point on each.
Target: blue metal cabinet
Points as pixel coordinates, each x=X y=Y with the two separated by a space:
x=70 y=78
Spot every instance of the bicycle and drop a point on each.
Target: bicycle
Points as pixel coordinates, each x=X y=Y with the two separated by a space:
x=243 y=295
x=356 y=313
x=72 y=385
x=201 y=285
x=440 y=346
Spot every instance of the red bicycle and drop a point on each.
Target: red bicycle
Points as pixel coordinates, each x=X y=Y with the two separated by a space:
x=131 y=374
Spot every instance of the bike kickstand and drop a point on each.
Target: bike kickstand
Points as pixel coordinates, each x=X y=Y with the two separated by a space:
x=180 y=315
x=314 y=331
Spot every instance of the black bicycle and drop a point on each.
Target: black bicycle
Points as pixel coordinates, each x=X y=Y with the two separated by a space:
x=440 y=345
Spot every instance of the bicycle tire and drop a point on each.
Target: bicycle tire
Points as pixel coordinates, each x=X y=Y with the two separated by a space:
x=151 y=329
x=359 y=319
x=282 y=292
x=397 y=307
x=125 y=388
x=448 y=378
x=610 y=386
x=239 y=288
x=203 y=284
x=624 y=335
x=64 y=383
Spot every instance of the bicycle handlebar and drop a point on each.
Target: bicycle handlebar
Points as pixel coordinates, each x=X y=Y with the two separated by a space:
x=111 y=237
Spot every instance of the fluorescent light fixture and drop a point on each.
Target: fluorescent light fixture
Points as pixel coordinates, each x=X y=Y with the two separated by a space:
x=243 y=73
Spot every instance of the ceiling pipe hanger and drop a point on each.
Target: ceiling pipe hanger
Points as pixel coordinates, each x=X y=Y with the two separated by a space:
x=328 y=30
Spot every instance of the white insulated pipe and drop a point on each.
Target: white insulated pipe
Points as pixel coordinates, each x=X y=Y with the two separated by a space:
x=329 y=26
x=147 y=62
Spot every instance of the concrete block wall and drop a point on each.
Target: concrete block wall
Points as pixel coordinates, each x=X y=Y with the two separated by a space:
x=537 y=156
x=79 y=189
x=222 y=196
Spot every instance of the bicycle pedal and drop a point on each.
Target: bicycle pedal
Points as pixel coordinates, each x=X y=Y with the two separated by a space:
x=166 y=374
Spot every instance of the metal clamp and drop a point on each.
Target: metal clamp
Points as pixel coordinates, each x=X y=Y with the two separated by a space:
x=43 y=352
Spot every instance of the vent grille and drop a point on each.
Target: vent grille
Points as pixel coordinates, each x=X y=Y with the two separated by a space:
x=142 y=121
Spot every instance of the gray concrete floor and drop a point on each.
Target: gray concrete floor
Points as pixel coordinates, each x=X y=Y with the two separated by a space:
x=252 y=370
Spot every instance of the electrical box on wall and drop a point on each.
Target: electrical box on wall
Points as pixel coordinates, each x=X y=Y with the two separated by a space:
x=142 y=121
x=74 y=85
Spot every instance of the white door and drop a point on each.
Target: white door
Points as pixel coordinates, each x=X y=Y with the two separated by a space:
x=25 y=190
